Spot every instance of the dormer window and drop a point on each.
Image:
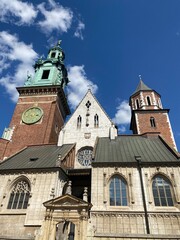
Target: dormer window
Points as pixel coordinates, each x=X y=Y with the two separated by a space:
x=148 y=100
x=45 y=74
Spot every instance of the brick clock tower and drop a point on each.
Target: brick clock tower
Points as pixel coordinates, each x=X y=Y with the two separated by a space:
x=41 y=108
x=148 y=115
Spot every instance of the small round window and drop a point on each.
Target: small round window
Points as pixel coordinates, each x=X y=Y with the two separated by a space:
x=85 y=156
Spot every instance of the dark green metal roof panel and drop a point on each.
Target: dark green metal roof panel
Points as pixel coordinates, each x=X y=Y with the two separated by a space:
x=124 y=149
x=34 y=157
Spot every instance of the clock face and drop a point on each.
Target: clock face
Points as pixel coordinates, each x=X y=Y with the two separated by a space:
x=85 y=157
x=32 y=115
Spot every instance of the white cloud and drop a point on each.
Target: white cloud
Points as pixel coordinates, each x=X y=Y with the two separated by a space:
x=123 y=115
x=79 y=84
x=17 y=54
x=78 y=32
x=10 y=10
x=55 y=18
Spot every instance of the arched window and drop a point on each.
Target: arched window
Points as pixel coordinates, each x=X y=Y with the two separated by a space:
x=53 y=54
x=148 y=100
x=79 y=120
x=162 y=191
x=137 y=103
x=152 y=122
x=96 y=120
x=19 y=196
x=118 y=191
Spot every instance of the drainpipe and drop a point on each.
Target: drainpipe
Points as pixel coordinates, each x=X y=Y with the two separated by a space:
x=139 y=166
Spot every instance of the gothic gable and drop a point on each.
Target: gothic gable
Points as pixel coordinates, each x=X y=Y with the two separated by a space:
x=88 y=122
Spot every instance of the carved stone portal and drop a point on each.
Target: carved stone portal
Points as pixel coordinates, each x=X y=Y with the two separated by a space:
x=66 y=219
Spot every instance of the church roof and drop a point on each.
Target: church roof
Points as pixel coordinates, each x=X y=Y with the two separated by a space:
x=124 y=149
x=36 y=157
x=142 y=87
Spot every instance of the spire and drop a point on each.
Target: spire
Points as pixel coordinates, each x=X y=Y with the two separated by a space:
x=142 y=86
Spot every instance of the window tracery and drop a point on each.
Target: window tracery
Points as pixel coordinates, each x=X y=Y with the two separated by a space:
x=85 y=156
x=19 y=196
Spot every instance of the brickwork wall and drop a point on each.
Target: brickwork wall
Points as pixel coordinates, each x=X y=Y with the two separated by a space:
x=3 y=146
x=143 y=102
x=43 y=132
x=162 y=125
x=141 y=121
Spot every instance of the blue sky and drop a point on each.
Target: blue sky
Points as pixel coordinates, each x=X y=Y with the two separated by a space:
x=108 y=44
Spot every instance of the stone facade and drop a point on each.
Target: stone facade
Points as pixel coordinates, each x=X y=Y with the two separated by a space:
x=85 y=132
x=120 y=221
x=25 y=222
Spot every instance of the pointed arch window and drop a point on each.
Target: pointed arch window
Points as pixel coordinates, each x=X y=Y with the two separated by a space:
x=118 y=191
x=19 y=196
x=96 y=120
x=148 y=100
x=162 y=191
x=152 y=122
x=137 y=103
x=79 y=121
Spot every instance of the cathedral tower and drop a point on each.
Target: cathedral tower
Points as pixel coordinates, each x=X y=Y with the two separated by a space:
x=148 y=114
x=42 y=105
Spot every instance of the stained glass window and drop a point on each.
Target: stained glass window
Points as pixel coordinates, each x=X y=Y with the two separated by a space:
x=118 y=191
x=162 y=191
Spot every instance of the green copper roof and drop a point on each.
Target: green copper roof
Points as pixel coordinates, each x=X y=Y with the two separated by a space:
x=49 y=71
x=124 y=149
x=36 y=157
